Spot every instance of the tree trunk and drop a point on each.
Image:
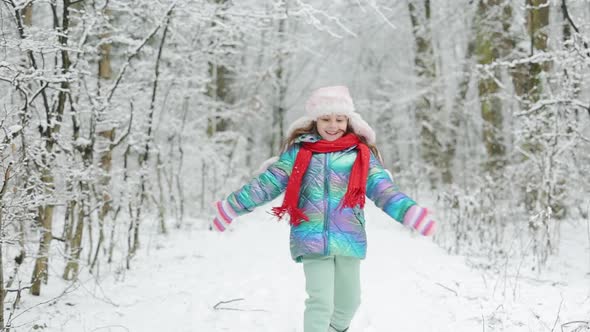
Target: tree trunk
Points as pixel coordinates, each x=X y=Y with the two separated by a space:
x=104 y=195
x=106 y=135
x=112 y=237
x=53 y=128
x=105 y=71
x=2 y=289
x=526 y=76
x=278 y=112
x=566 y=28
x=46 y=218
x=529 y=87
x=204 y=175
x=75 y=219
x=492 y=43
x=28 y=15
x=543 y=185
x=429 y=106
x=218 y=90
x=144 y=157
x=458 y=112
x=178 y=172
x=72 y=267
x=161 y=201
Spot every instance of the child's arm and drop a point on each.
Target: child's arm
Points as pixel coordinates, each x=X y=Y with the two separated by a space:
x=386 y=195
x=260 y=190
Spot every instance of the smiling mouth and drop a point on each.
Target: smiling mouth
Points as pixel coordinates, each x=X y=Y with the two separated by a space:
x=333 y=133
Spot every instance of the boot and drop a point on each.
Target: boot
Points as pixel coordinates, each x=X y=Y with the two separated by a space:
x=333 y=329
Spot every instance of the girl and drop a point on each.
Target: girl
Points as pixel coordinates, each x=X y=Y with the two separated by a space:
x=328 y=166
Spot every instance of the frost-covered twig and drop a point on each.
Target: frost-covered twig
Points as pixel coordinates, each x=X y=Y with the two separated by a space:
x=217 y=306
x=108 y=327
x=135 y=52
x=571 y=22
x=69 y=289
x=547 y=102
x=124 y=136
x=6 y=178
x=15 y=303
x=582 y=323
x=41 y=89
x=310 y=13
x=488 y=71
x=445 y=287
x=557 y=318
x=378 y=11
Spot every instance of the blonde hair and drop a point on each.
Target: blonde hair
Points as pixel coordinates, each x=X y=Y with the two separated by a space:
x=312 y=129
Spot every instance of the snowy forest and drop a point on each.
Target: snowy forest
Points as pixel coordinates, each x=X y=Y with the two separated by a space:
x=122 y=116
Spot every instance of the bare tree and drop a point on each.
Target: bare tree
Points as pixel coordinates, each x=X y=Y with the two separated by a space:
x=133 y=235
x=52 y=128
x=279 y=110
x=2 y=289
x=493 y=43
x=429 y=106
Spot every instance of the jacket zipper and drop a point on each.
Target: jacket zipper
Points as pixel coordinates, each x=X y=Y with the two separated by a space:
x=327 y=205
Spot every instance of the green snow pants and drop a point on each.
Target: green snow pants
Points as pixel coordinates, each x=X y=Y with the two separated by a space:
x=333 y=292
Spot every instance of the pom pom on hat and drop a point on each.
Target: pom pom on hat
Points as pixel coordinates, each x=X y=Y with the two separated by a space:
x=333 y=99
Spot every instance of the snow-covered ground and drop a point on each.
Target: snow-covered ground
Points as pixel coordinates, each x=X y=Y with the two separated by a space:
x=244 y=280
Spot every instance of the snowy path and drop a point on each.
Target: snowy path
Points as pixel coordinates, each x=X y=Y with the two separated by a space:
x=409 y=284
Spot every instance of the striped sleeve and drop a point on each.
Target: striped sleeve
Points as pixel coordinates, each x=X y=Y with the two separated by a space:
x=266 y=186
x=385 y=193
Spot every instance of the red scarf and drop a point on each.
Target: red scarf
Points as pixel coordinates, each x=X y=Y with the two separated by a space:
x=355 y=193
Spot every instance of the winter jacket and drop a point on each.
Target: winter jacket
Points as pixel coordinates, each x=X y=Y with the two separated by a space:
x=331 y=230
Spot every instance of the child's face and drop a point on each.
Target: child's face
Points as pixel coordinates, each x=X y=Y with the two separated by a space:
x=332 y=127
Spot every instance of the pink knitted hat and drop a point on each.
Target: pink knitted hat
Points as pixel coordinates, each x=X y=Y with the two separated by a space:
x=333 y=99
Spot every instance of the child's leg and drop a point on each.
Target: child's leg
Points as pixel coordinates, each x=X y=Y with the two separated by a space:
x=319 y=284
x=347 y=291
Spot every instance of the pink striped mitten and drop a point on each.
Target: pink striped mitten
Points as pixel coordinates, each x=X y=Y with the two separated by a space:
x=417 y=218
x=224 y=214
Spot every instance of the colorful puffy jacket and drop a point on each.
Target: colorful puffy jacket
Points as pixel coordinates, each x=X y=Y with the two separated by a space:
x=330 y=230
